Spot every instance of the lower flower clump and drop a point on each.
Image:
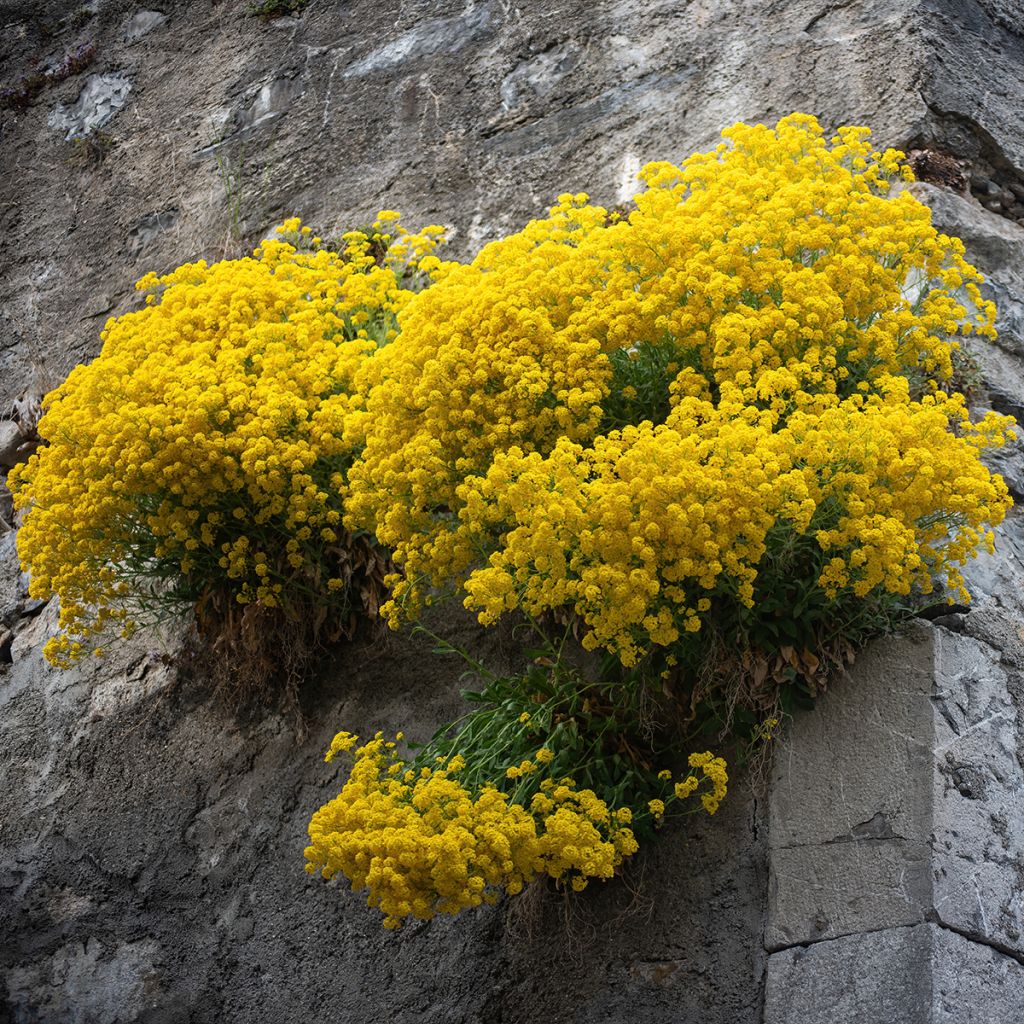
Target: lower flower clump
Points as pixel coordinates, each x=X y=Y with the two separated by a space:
x=424 y=840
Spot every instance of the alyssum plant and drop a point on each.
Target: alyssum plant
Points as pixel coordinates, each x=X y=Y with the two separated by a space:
x=200 y=461
x=709 y=443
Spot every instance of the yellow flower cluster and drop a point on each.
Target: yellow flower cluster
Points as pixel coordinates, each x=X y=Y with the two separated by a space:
x=713 y=768
x=421 y=843
x=487 y=364
x=618 y=415
x=207 y=446
x=644 y=530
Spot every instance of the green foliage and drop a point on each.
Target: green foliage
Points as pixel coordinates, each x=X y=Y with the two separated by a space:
x=641 y=382
x=608 y=728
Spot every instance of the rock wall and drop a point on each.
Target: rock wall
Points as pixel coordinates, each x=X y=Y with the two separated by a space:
x=475 y=114
x=153 y=872
x=150 y=845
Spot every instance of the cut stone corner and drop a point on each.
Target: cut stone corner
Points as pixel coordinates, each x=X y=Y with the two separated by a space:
x=898 y=894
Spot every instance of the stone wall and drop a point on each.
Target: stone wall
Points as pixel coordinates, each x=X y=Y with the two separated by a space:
x=150 y=845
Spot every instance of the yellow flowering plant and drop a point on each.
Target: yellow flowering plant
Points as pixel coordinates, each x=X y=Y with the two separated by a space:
x=442 y=833
x=711 y=444
x=201 y=459
x=725 y=516
x=723 y=413
x=774 y=277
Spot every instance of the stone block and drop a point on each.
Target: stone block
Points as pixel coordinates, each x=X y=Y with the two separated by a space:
x=880 y=977
x=973 y=983
x=821 y=892
x=854 y=765
x=919 y=975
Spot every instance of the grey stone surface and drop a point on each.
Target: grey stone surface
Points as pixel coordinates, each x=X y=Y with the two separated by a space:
x=973 y=984
x=6 y=508
x=14 y=600
x=999 y=577
x=875 y=977
x=970 y=77
x=146 y=231
x=842 y=888
x=923 y=974
x=141 y=23
x=429 y=38
x=259 y=104
x=153 y=845
x=850 y=804
x=978 y=803
x=11 y=440
x=882 y=711
x=101 y=98
x=868 y=904
x=88 y=982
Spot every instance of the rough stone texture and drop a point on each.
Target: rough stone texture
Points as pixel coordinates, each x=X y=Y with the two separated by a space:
x=978 y=809
x=11 y=440
x=150 y=846
x=915 y=975
x=475 y=115
x=850 y=803
x=141 y=23
x=886 y=971
x=145 y=232
x=101 y=98
x=152 y=871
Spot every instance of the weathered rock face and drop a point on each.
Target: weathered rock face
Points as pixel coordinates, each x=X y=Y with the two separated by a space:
x=150 y=845
x=152 y=871
x=896 y=834
x=475 y=115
